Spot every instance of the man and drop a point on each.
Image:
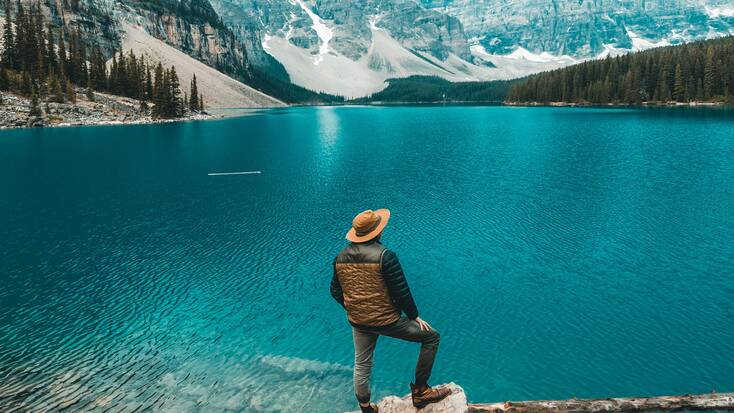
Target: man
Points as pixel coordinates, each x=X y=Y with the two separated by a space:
x=369 y=283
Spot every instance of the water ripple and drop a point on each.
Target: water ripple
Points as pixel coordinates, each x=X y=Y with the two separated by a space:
x=557 y=260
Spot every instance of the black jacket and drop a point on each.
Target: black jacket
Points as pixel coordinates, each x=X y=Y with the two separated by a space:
x=395 y=282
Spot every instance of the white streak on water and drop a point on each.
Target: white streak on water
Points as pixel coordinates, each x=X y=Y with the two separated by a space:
x=235 y=173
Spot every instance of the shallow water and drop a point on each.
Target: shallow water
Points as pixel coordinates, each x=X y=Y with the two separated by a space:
x=561 y=252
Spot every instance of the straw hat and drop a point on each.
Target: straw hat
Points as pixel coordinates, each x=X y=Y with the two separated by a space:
x=368 y=225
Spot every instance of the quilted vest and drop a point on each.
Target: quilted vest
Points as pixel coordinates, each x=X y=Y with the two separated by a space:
x=366 y=298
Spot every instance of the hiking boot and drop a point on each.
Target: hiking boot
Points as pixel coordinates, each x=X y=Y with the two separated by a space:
x=425 y=395
x=372 y=408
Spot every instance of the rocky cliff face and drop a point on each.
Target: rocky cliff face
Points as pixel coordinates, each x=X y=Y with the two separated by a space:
x=191 y=26
x=186 y=33
x=586 y=28
x=411 y=24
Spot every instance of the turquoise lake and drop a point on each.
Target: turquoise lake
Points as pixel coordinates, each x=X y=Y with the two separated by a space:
x=561 y=252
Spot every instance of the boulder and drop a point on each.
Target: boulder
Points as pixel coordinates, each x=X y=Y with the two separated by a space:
x=455 y=403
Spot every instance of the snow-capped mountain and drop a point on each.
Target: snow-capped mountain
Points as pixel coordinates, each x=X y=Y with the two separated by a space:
x=351 y=47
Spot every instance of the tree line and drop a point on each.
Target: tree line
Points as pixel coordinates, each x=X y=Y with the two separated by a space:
x=701 y=71
x=41 y=61
x=432 y=89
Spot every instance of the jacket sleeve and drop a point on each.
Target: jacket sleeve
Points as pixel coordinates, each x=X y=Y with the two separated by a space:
x=397 y=285
x=336 y=288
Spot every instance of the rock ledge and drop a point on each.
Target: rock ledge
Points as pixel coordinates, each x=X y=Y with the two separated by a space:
x=457 y=403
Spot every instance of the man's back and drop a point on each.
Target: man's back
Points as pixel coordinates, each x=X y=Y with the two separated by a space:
x=370 y=283
x=358 y=267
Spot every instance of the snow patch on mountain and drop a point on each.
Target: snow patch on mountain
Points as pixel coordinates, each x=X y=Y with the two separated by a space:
x=386 y=59
x=639 y=44
x=335 y=74
x=611 y=50
x=266 y=39
x=373 y=22
x=524 y=54
x=521 y=62
x=324 y=32
x=716 y=12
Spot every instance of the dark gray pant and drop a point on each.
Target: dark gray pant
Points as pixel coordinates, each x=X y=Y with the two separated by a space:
x=405 y=329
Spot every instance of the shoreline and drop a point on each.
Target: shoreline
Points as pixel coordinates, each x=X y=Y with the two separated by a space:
x=110 y=110
x=103 y=110
x=619 y=105
x=149 y=121
x=696 y=402
x=542 y=104
x=457 y=402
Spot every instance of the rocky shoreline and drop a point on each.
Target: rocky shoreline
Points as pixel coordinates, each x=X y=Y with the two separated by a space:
x=457 y=403
x=618 y=105
x=103 y=110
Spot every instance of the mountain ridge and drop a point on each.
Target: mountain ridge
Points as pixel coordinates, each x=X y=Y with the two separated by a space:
x=463 y=40
x=317 y=50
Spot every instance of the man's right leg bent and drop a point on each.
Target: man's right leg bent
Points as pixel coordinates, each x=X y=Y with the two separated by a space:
x=364 y=350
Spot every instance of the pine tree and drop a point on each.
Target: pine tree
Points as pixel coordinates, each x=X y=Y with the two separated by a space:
x=201 y=103
x=8 y=39
x=159 y=97
x=194 y=101
x=21 y=39
x=113 y=80
x=175 y=103
x=38 y=42
x=4 y=79
x=69 y=91
x=90 y=89
x=679 y=90
x=57 y=94
x=35 y=110
x=148 y=84
x=709 y=77
x=98 y=69
x=51 y=57
x=665 y=94
x=26 y=85
x=632 y=87
x=120 y=80
x=722 y=75
x=63 y=57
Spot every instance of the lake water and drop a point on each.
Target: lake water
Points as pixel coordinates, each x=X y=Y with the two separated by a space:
x=561 y=252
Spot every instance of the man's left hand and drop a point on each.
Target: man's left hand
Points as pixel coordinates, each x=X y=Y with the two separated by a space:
x=423 y=325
